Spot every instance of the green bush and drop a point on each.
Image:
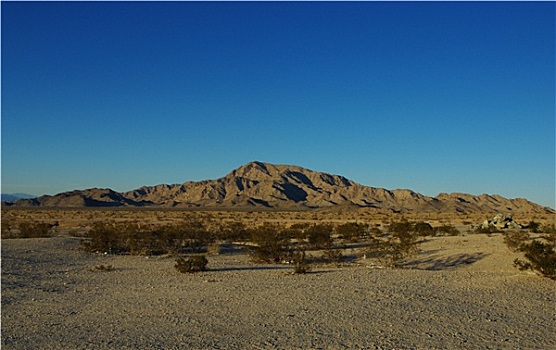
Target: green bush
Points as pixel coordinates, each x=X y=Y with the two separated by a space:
x=191 y=264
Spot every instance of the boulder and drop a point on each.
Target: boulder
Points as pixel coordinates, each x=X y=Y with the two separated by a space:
x=502 y=222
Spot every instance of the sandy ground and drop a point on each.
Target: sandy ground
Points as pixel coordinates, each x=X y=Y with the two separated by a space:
x=459 y=293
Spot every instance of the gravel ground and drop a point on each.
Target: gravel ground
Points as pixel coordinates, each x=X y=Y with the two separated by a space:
x=460 y=293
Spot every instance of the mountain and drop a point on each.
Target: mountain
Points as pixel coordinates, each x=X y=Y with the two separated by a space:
x=93 y=197
x=12 y=197
x=265 y=185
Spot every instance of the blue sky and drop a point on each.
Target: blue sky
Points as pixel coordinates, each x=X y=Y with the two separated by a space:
x=434 y=97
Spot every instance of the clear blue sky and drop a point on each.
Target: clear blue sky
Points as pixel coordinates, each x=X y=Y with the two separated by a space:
x=434 y=97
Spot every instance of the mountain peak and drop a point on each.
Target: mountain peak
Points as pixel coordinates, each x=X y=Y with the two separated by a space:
x=253 y=169
x=260 y=184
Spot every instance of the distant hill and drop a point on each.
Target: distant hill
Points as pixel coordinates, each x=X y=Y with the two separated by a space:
x=264 y=185
x=12 y=197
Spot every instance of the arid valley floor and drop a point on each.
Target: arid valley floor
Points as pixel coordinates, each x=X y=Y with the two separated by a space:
x=458 y=292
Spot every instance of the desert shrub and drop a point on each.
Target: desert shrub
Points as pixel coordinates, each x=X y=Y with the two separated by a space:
x=34 y=230
x=189 y=235
x=103 y=268
x=548 y=228
x=301 y=264
x=533 y=226
x=448 y=230
x=139 y=241
x=300 y=226
x=397 y=247
x=272 y=245
x=214 y=248
x=7 y=230
x=515 y=240
x=405 y=240
x=550 y=234
x=191 y=264
x=320 y=236
x=424 y=229
x=233 y=231
x=352 y=231
x=375 y=231
x=488 y=229
x=541 y=257
x=332 y=256
x=107 y=237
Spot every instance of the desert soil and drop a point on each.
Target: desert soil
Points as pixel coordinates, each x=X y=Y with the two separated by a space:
x=459 y=293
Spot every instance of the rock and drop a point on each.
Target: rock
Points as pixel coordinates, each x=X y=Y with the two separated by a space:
x=502 y=222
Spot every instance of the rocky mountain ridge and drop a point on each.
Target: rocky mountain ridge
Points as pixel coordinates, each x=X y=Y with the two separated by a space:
x=283 y=187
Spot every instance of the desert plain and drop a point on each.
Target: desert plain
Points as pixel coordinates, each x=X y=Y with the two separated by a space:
x=457 y=292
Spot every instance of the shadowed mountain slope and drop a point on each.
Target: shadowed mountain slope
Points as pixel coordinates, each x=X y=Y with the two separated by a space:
x=258 y=184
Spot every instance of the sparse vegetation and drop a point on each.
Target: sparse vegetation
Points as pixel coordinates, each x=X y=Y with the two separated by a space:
x=272 y=244
x=394 y=249
x=447 y=230
x=533 y=226
x=270 y=237
x=192 y=264
x=424 y=229
x=34 y=230
x=131 y=238
x=332 y=256
x=540 y=256
x=352 y=231
x=27 y=229
x=515 y=240
x=488 y=229
x=103 y=268
x=319 y=236
x=301 y=264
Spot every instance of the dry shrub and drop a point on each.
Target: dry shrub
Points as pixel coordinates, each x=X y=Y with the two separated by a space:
x=214 y=248
x=352 y=231
x=301 y=264
x=272 y=244
x=191 y=264
x=395 y=249
x=447 y=230
x=515 y=240
x=131 y=238
x=320 y=236
x=233 y=231
x=34 y=230
x=332 y=256
x=103 y=268
x=541 y=258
